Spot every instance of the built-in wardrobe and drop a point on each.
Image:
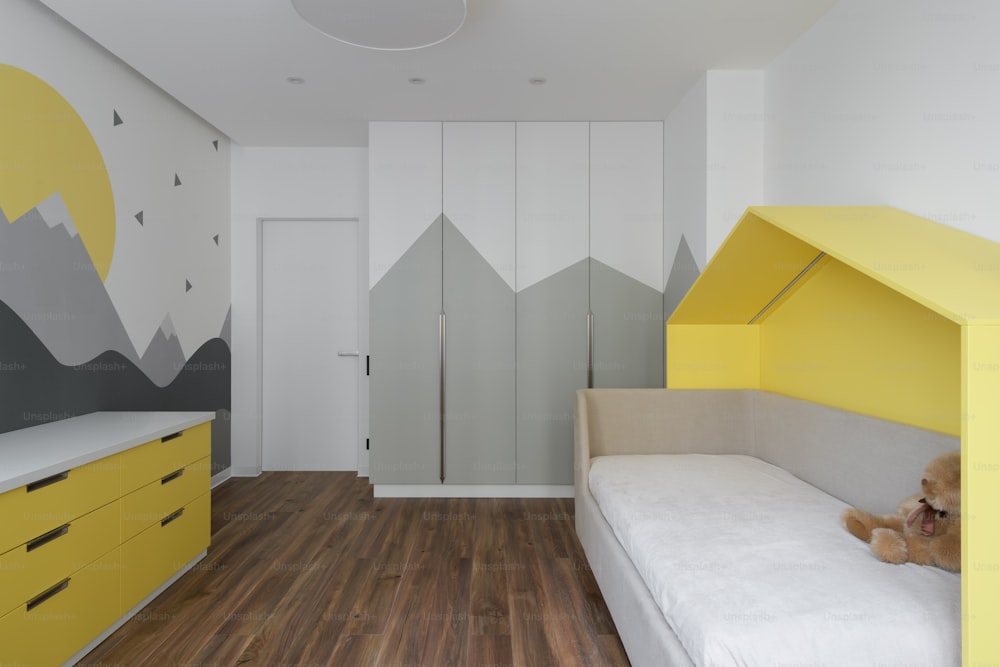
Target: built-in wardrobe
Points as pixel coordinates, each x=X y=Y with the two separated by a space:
x=511 y=263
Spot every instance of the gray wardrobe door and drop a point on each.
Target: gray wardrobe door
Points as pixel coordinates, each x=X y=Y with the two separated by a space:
x=552 y=286
x=551 y=366
x=478 y=288
x=626 y=238
x=479 y=390
x=628 y=329
x=405 y=366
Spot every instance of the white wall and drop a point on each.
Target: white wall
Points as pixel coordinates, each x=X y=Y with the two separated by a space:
x=158 y=137
x=735 y=151
x=684 y=175
x=283 y=183
x=713 y=157
x=891 y=102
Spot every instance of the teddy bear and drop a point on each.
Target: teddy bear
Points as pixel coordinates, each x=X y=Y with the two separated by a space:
x=926 y=528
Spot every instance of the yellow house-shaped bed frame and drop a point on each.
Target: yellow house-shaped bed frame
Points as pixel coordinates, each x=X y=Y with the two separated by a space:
x=874 y=310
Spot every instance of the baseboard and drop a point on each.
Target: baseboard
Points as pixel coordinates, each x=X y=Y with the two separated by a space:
x=82 y=653
x=220 y=477
x=473 y=491
x=245 y=471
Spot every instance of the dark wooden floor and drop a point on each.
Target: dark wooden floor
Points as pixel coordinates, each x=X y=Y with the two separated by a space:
x=309 y=569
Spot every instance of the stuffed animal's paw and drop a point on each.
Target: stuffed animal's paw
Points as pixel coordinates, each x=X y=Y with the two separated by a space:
x=889 y=546
x=857 y=522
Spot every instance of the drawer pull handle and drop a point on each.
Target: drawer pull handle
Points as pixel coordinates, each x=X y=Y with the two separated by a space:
x=171 y=436
x=172 y=476
x=48 y=481
x=44 y=539
x=170 y=517
x=47 y=595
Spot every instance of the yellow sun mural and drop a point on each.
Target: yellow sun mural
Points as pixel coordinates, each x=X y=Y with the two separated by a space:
x=45 y=148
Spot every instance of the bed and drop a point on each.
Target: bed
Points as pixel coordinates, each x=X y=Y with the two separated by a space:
x=710 y=519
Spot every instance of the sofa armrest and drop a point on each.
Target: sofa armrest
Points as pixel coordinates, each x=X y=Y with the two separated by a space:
x=660 y=421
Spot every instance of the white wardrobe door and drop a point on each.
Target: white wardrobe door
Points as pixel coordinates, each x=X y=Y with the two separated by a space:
x=478 y=290
x=552 y=295
x=404 y=181
x=626 y=241
x=626 y=198
x=552 y=201
x=405 y=301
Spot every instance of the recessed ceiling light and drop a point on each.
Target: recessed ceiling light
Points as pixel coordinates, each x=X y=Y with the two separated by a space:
x=295 y=80
x=416 y=81
x=537 y=80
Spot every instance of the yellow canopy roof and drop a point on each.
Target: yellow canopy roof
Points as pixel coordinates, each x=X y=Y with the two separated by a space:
x=953 y=273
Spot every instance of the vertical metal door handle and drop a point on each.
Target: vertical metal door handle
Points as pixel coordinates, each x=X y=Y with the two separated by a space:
x=442 y=343
x=590 y=350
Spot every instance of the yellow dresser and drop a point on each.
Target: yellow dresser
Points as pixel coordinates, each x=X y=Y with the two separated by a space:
x=97 y=514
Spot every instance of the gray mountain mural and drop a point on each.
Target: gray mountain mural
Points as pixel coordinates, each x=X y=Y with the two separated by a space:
x=405 y=401
x=551 y=366
x=513 y=362
x=226 y=333
x=683 y=272
x=163 y=357
x=481 y=358
x=50 y=283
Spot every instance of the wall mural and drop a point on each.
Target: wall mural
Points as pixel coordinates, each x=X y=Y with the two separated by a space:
x=65 y=348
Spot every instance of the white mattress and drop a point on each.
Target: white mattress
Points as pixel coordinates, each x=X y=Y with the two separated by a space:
x=750 y=566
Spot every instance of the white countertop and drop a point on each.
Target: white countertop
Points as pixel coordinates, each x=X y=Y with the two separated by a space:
x=36 y=452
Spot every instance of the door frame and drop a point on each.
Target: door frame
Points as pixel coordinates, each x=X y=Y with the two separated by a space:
x=362 y=379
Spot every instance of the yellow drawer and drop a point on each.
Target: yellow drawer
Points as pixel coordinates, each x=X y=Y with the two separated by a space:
x=28 y=511
x=154 y=460
x=52 y=556
x=157 y=553
x=148 y=505
x=61 y=619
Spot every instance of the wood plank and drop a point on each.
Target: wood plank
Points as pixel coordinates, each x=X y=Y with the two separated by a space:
x=309 y=568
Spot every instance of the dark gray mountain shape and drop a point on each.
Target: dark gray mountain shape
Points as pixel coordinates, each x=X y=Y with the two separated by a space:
x=50 y=282
x=139 y=217
x=177 y=180
x=187 y=286
x=164 y=356
x=216 y=239
x=118 y=119
x=216 y=144
x=683 y=272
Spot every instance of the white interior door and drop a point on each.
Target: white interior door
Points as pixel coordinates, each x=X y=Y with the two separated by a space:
x=309 y=330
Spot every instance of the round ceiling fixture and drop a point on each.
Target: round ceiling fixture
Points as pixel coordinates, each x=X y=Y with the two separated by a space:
x=388 y=25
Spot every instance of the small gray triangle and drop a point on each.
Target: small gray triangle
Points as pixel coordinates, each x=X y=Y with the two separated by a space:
x=216 y=239
x=177 y=180
x=216 y=144
x=118 y=119
x=138 y=216
x=187 y=285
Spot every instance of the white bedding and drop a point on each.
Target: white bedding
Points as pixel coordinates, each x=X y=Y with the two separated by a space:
x=750 y=566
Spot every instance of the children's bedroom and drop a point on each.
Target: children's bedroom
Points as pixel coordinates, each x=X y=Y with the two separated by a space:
x=497 y=333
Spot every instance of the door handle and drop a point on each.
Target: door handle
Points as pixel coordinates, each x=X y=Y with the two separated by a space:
x=348 y=353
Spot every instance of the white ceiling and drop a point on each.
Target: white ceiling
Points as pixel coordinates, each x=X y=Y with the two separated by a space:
x=229 y=61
